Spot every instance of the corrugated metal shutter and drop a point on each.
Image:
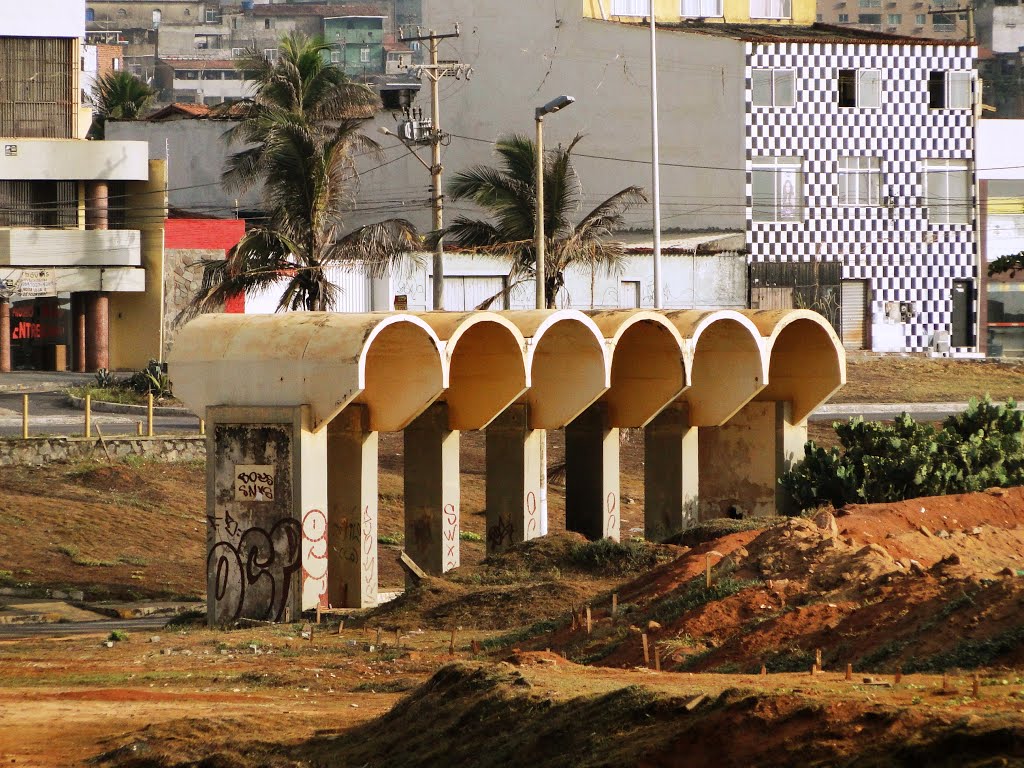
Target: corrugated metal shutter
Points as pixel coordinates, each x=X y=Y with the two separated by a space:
x=355 y=288
x=462 y=293
x=771 y=297
x=855 y=300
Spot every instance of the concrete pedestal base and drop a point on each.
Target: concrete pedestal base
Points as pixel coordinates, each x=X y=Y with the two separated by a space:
x=514 y=479
x=432 y=493
x=266 y=492
x=741 y=462
x=670 y=473
x=592 y=475
x=352 y=510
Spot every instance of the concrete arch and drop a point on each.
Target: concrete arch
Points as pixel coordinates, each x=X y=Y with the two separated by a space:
x=807 y=363
x=390 y=363
x=725 y=360
x=485 y=358
x=567 y=361
x=648 y=368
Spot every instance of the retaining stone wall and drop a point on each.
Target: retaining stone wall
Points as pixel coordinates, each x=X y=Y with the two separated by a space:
x=43 y=450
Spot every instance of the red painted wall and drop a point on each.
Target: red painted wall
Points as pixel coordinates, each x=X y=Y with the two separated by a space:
x=208 y=234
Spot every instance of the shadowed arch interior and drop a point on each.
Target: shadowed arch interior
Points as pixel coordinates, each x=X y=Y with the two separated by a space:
x=567 y=371
x=727 y=372
x=648 y=373
x=805 y=367
x=403 y=376
x=487 y=372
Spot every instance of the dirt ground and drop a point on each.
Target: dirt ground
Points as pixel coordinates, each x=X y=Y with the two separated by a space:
x=931 y=589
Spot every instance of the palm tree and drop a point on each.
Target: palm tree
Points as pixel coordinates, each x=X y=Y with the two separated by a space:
x=118 y=95
x=509 y=194
x=299 y=133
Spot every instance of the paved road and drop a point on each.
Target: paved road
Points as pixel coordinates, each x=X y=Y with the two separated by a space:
x=50 y=414
x=64 y=629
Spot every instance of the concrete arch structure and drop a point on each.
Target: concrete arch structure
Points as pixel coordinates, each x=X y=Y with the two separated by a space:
x=389 y=362
x=295 y=402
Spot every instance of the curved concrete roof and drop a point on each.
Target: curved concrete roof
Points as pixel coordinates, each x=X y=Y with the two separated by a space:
x=807 y=362
x=567 y=361
x=485 y=355
x=389 y=362
x=648 y=368
x=558 y=361
x=725 y=358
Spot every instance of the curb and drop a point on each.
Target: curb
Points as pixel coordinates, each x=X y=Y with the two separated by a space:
x=101 y=406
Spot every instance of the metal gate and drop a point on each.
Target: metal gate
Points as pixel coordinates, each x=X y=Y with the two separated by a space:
x=855 y=302
x=962 y=328
x=771 y=297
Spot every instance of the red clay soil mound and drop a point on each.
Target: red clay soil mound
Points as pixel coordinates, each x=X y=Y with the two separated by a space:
x=879 y=586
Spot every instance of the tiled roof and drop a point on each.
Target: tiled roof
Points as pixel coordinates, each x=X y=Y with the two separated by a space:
x=179 y=108
x=318 y=9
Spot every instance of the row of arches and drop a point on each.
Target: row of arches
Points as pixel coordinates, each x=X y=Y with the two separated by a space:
x=302 y=396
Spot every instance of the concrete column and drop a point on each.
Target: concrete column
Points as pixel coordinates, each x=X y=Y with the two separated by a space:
x=352 y=510
x=5 y=335
x=97 y=338
x=97 y=215
x=432 y=495
x=670 y=473
x=78 y=332
x=267 y=532
x=514 y=480
x=592 y=475
x=741 y=461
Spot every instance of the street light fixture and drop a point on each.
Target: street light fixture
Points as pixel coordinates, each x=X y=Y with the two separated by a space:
x=556 y=104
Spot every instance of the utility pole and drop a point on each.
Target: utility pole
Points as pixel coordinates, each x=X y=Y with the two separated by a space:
x=969 y=10
x=434 y=71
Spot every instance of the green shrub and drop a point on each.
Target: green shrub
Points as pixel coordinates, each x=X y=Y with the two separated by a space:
x=876 y=462
x=118 y=636
x=606 y=555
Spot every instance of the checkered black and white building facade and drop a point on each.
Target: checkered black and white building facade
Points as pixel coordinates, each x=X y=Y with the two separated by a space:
x=907 y=254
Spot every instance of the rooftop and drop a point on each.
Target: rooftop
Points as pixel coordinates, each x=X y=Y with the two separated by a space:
x=813 y=33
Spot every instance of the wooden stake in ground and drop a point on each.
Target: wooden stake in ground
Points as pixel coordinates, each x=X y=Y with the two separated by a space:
x=398 y=638
x=849 y=671
x=657 y=658
x=976 y=687
x=475 y=645
x=318 y=613
x=377 y=644
x=647 y=654
x=945 y=683
x=341 y=626
x=451 y=644
x=899 y=674
x=764 y=671
x=589 y=624
x=817 y=658
x=615 y=603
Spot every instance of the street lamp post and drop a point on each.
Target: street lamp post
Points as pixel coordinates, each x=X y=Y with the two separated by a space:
x=560 y=102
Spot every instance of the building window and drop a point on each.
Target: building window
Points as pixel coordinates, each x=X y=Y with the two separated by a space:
x=213 y=16
x=237 y=53
x=270 y=54
x=630 y=7
x=895 y=18
x=701 y=8
x=874 y=19
x=773 y=87
x=860 y=181
x=335 y=57
x=949 y=90
x=364 y=55
x=947 y=186
x=777 y=186
x=944 y=22
x=188 y=12
x=920 y=19
x=860 y=88
x=771 y=9
x=90 y=14
x=844 y=18
x=869 y=3
x=267 y=24
x=818 y=18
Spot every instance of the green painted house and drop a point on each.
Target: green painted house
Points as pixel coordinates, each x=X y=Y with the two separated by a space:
x=357 y=44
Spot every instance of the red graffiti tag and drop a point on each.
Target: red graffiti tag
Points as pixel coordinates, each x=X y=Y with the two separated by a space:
x=451 y=534
x=612 y=523
x=531 y=515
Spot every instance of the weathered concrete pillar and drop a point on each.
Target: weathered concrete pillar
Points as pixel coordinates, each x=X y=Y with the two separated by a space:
x=352 y=510
x=97 y=336
x=78 y=332
x=266 y=492
x=432 y=494
x=514 y=480
x=97 y=199
x=592 y=475
x=741 y=461
x=5 y=334
x=670 y=473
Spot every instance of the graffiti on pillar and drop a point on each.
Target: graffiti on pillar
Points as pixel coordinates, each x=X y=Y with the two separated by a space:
x=451 y=537
x=251 y=574
x=314 y=559
x=611 y=527
x=500 y=534
x=532 y=521
x=369 y=559
x=254 y=482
